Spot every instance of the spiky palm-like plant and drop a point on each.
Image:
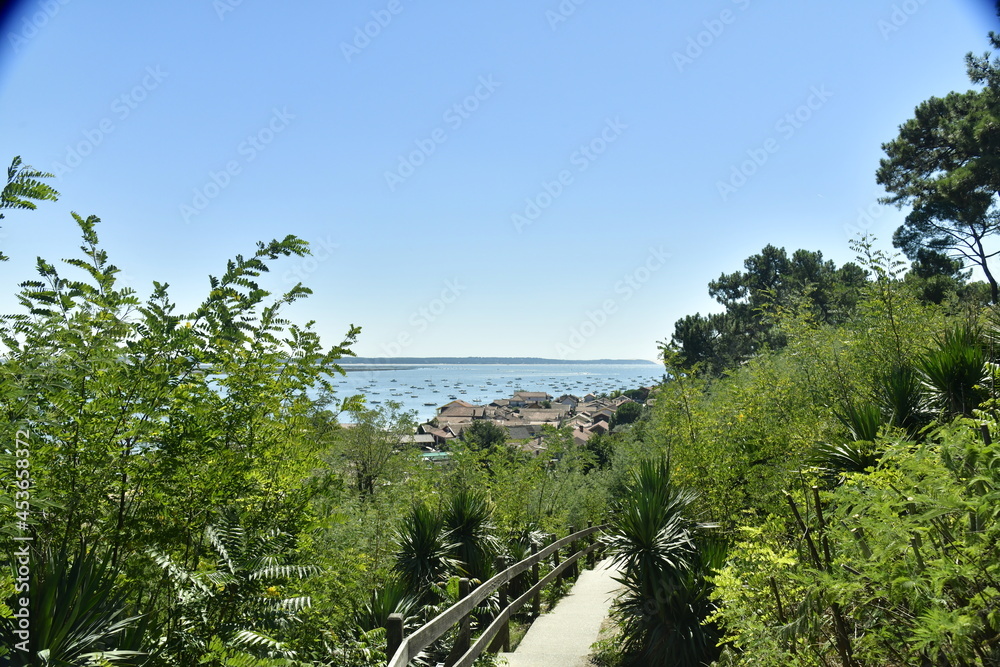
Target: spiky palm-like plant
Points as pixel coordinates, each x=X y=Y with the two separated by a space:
x=836 y=459
x=957 y=370
x=394 y=596
x=77 y=615
x=664 y=557
x=899 y=401
x=468 y=517
x=900 y=394
x=424 y=546
x=863 y=422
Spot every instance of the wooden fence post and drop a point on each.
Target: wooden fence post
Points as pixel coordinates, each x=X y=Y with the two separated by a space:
x=590 y=543
x=464 y=636
x=393 y=634
x=555 y=554
x=536 y=602
x=502 y=639
x=574 y=569
x=601 y=550
x=464 y=633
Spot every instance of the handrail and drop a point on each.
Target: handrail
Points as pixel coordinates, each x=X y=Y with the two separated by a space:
x=503 y=617
x=409 y=647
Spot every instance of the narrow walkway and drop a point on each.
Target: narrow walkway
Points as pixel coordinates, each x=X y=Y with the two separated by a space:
x=563 y=636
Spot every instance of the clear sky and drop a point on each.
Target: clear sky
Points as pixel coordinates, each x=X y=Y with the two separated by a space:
x=513 y=179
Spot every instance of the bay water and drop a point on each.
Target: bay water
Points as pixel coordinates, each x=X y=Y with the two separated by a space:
x=423 y=388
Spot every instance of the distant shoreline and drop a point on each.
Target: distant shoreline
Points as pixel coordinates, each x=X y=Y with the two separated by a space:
x=391 y=363
x=366 y=367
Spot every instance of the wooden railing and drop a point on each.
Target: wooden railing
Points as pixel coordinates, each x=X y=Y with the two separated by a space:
x=402 y=649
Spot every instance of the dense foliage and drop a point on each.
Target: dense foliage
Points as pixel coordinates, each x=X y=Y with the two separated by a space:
x=191 y=496
x=851 y=477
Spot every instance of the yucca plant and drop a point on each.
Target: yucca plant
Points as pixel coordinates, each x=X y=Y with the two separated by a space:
x=957 y=370
x=394 y=596
x=468 y=518
x=664 y=558
x=675 y=633
x=78 y=615
x=900 y=394
x=863 y=422
x=424 y=546
x=836 y=459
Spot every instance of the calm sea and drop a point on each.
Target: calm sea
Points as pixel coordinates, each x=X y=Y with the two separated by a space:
x=422 y=388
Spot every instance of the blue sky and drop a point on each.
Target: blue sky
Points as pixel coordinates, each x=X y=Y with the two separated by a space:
x=517 y=179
